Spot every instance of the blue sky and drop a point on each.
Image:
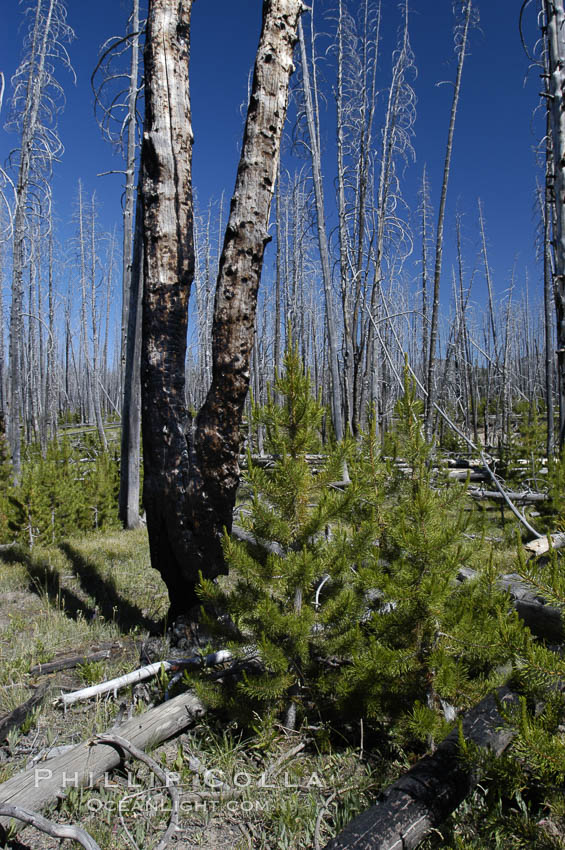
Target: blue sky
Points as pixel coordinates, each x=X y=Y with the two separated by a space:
x=494 y=137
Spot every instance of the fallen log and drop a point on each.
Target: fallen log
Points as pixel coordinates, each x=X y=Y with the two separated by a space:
x=424 y=797
x=143 y=673
x=18 y=716
x=36 y=787
x=267 y=461
x=71 y=661
x=525 y=498
x=541 y=545
x=542 y=619
x=467 y=475
x=463 y=463
x=264 y=546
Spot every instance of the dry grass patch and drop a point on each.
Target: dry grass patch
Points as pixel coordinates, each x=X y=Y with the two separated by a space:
x=88 y=593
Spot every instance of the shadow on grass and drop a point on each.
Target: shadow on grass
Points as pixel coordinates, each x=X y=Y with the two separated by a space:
x=109 y=602
x=43 y=579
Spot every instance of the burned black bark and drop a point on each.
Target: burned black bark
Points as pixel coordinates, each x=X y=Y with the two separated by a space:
x=168 y=272
x=191 y=468
x=424 y=797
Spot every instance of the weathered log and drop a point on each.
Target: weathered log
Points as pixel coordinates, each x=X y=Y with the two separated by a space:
x=71 y=661
x=424 y=797
x=525 y=498
x=85 y=764
x=540 y=546
x=16 y=717
x=542 y=619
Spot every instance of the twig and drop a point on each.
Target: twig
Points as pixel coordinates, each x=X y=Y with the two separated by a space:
x=289 y=754
x=136 y=753
x=319 y=819
x=246 y=835
x=55 y=830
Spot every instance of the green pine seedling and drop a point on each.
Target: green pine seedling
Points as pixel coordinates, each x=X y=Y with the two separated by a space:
x=273 y=599
x=428 y=647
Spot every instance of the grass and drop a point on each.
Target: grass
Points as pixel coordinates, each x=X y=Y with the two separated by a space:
x=71 y=599
x=98 y=590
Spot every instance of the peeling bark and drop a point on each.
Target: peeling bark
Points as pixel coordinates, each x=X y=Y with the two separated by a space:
x=191 y=468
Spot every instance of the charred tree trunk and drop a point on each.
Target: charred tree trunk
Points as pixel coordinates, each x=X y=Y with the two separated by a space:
x=423 y=798
x=168 y=272
x=191 y=468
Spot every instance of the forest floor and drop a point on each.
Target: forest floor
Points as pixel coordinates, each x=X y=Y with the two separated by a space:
x=99 y=592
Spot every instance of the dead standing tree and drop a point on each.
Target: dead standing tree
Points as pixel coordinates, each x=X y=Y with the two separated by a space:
x=554 y=25
x=191 y=467
x=35 y=103
x=116 y=86
x=461 y=35
x=311 y=108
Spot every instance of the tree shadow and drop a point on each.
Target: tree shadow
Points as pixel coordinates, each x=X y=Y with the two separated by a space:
x=110 y=603
x=43 y=579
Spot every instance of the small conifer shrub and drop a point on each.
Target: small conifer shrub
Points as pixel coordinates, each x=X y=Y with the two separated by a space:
x=273 y=600
x=348 y=606
x=431 y=646
x=59 y=494
x=5 y=482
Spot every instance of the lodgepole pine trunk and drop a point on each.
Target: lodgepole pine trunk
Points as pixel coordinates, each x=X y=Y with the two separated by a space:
x=434 y=329
x=128 y=504
x=555 y=23
x=191 y=468
x=312 y=119
x=131 y=407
